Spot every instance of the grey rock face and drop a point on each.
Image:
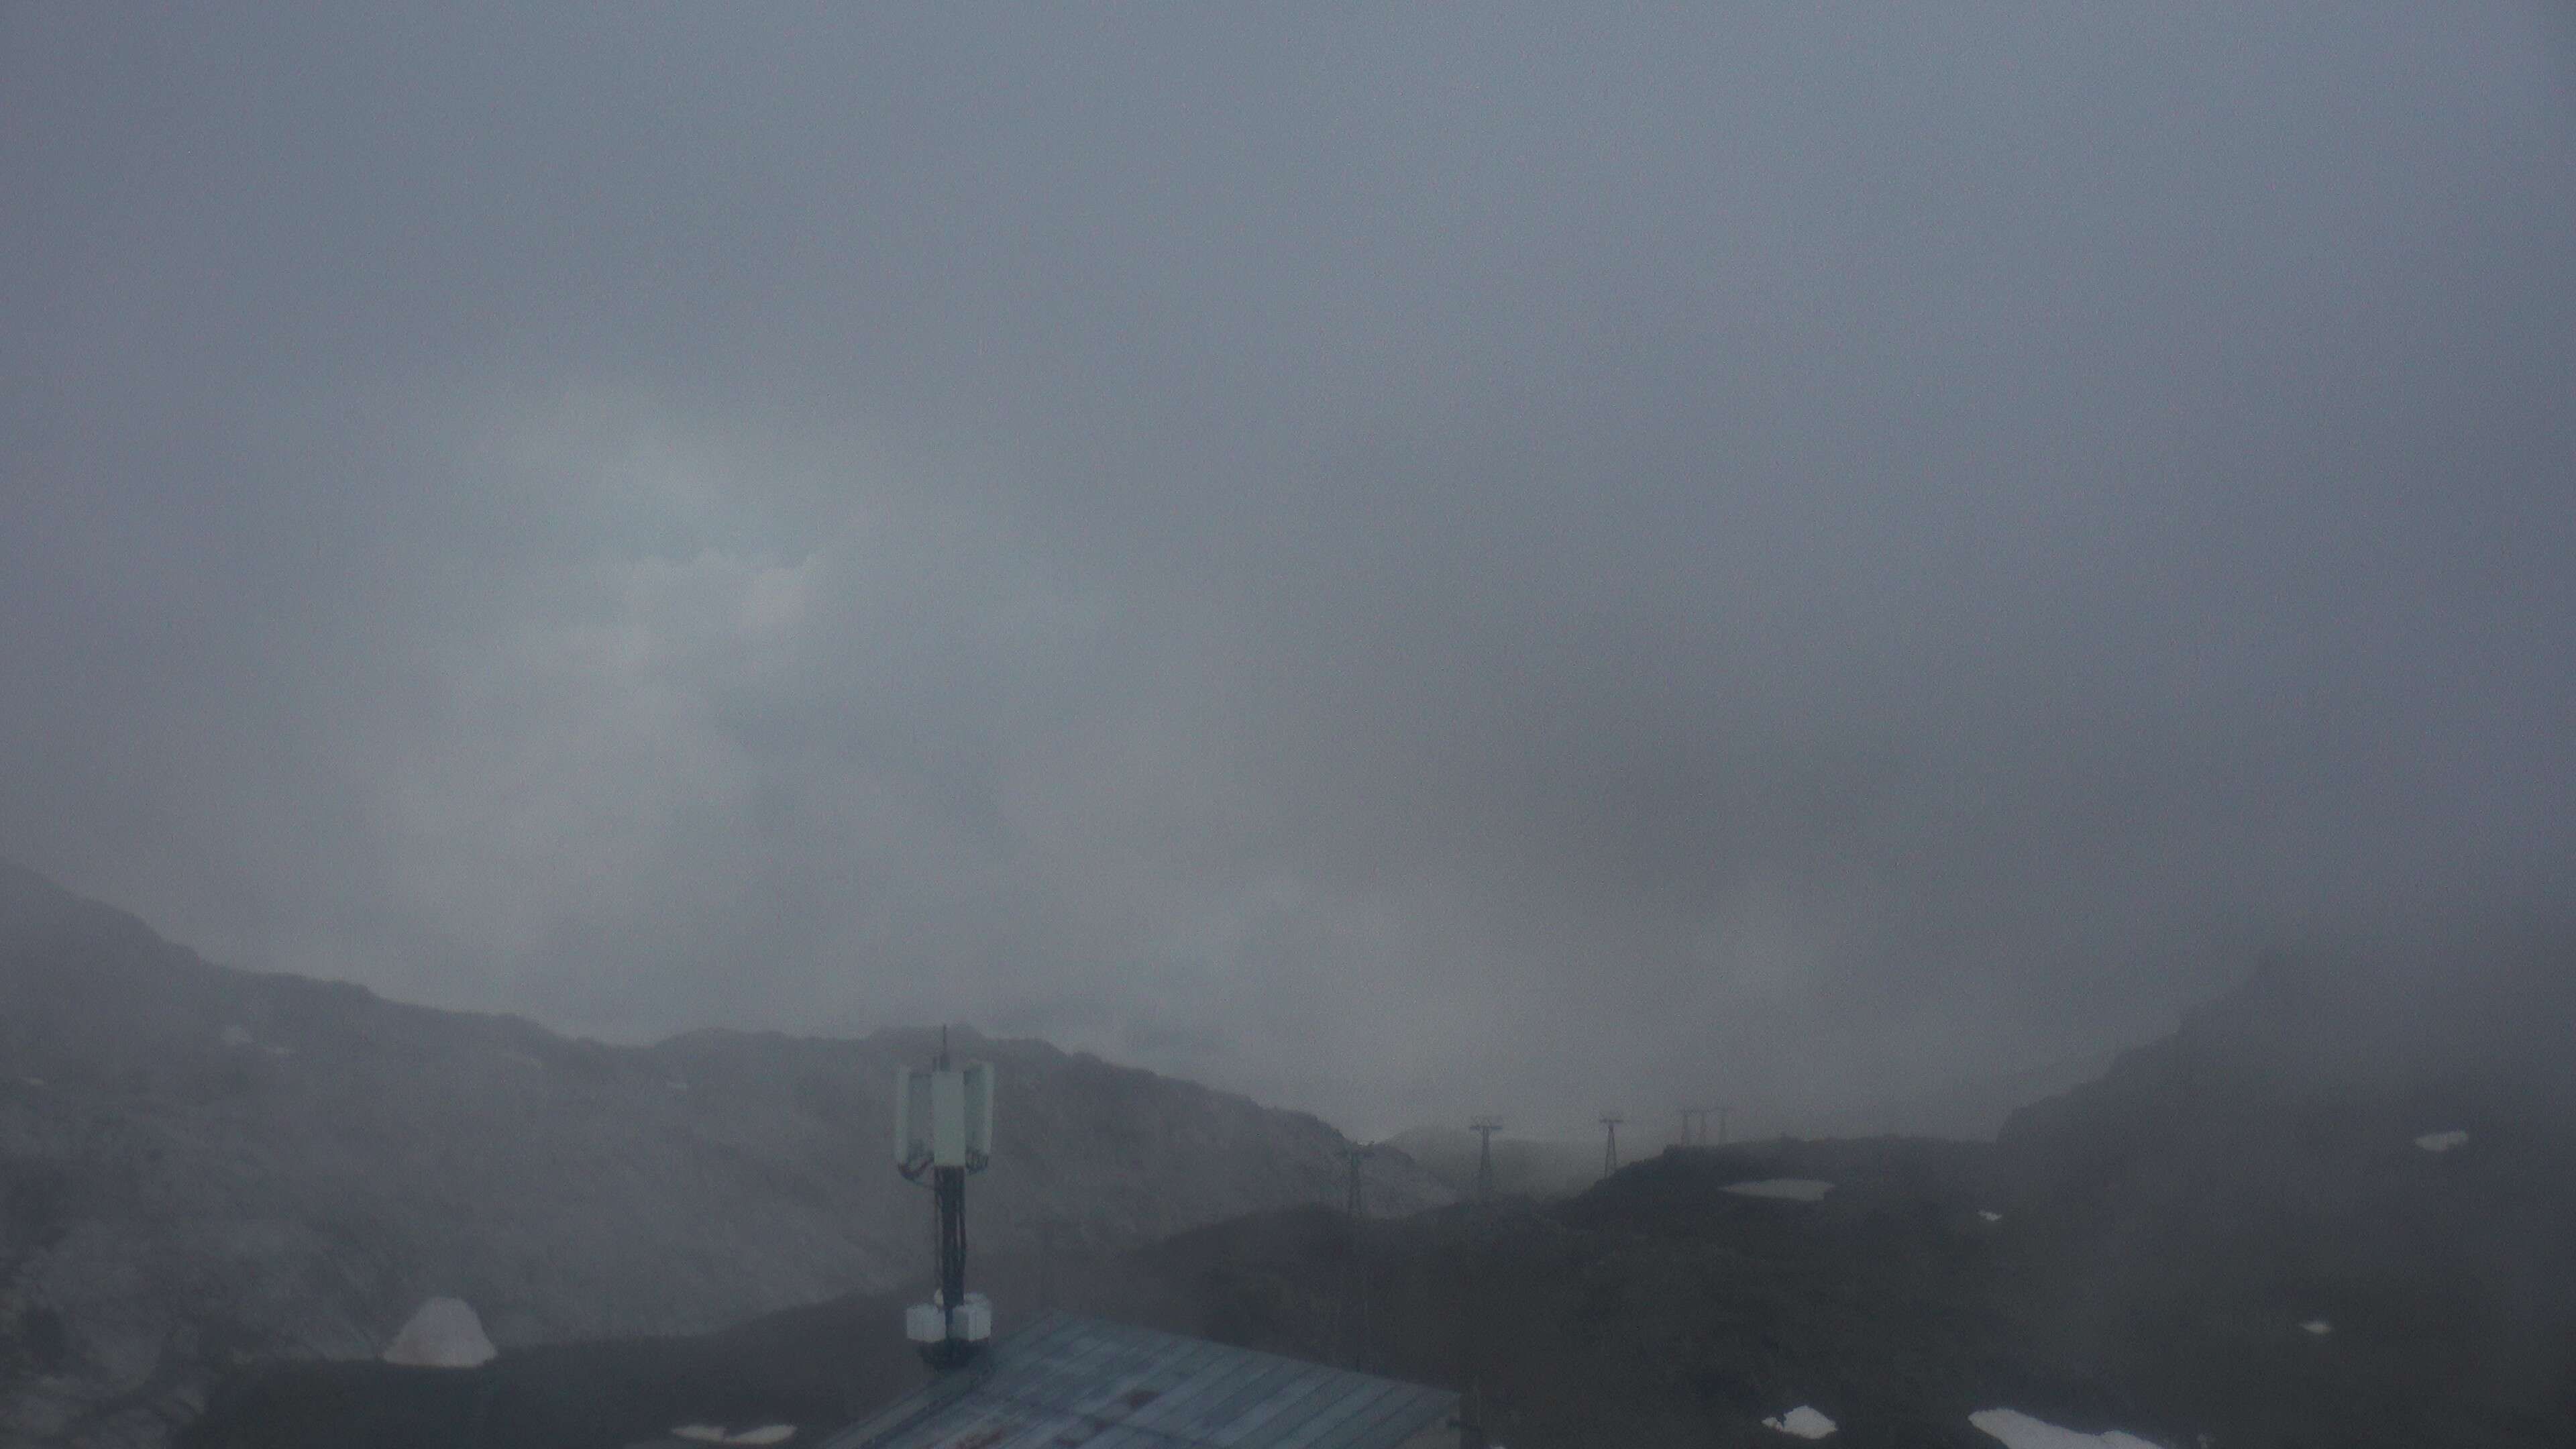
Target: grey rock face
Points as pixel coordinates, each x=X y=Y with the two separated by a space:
x=200 y=1166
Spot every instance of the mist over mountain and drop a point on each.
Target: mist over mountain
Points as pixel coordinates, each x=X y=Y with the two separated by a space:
x=2301 y=1219
x=201 y=1166
x=1985 y=588
x=1403 y=564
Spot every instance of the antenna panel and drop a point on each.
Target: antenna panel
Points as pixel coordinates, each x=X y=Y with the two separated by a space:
x=912 y=1097
x=979 y=1111
x=943 y=1118
x=948 y=1119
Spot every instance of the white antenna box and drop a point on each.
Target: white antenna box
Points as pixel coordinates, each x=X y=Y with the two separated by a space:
x=943 y=1117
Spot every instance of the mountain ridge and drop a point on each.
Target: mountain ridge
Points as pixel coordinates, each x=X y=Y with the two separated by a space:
x=202 y=1166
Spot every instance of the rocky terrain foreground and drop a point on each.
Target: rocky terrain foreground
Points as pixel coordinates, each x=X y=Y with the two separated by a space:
x=2335 y=1208
x=202 y=1168
x=2330 y=1211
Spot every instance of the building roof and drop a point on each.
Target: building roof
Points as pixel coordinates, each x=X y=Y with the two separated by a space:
x=1066 y=1381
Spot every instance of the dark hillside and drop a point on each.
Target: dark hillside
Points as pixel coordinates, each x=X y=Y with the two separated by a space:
x=202 y=1167
x=2147 y=1253
x=2260 y=1170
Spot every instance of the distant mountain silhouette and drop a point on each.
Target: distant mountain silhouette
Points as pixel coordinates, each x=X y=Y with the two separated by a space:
x=2333 y=1208
x=2263 y=1232
x=201 y=1166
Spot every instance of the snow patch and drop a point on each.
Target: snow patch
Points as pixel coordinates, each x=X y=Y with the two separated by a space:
x=1791 y=1189
x=2318 y=1326
x=2018 y=1430
x=716 y=1434
x=2441 y=1141
x=238 y=1037
x=1802 y=1421
x=1990 y=1216
x=443 y=1333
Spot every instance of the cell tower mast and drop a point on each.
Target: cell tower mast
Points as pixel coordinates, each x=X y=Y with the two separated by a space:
x=943 y=1130
x=1610 y=1149
x=1485 y=1128
x=1355 y=1271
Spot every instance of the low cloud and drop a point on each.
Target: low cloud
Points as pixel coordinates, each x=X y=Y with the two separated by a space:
x=1402 y=566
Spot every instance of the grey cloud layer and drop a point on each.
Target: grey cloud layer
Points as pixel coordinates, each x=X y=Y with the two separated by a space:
x=1400 y=564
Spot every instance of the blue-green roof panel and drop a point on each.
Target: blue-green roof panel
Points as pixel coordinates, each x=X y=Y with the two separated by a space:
x=1067 y=1381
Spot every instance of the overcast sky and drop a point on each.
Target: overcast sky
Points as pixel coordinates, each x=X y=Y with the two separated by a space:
x=1402 y=562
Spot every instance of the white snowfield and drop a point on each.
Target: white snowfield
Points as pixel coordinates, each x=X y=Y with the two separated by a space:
x=2441 y=1141
x=442 y=1333
x=2018 y=1430
x=239 y=1036
x=1803 y=1421
x=1792 y=1189
x=1990 y=1215
x=2318 y=1326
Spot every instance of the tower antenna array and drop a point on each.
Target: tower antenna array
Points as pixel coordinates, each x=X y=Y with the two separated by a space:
x=1610 y=1149
x=1354 y=1270
x=943 y=1130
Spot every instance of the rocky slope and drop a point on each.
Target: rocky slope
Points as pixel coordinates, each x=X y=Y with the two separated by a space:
x=2341 y=1195
x=2234 y=1240
x=2336 y=1208
x=200 y=1167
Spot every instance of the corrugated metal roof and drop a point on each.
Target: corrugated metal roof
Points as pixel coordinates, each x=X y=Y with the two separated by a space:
x=1066 y=1381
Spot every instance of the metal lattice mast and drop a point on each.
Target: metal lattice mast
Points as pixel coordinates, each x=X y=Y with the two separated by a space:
x=1485 y=1128
x=1610 y=1149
